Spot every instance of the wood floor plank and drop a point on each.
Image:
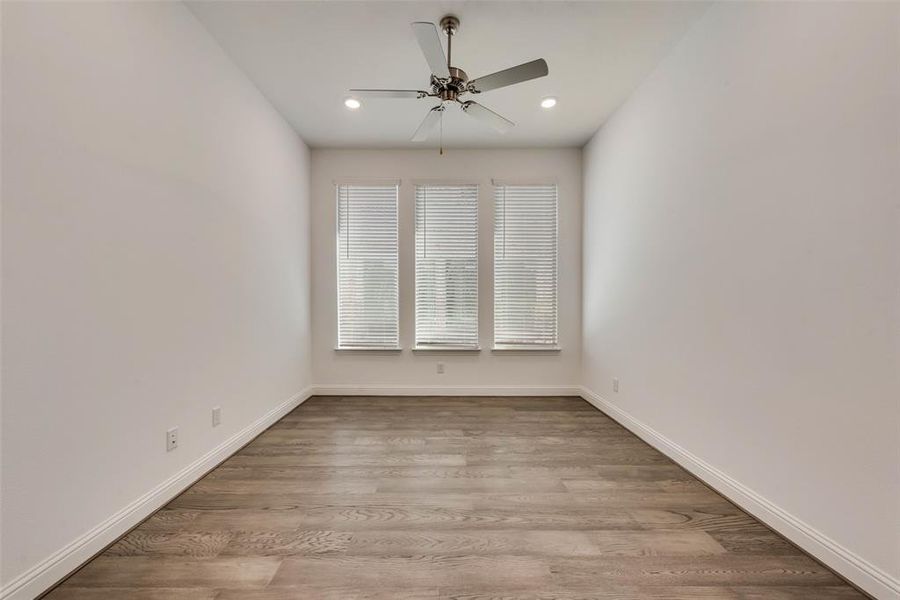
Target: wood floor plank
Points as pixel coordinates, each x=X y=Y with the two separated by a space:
x=533 y=543
x=492 y=572
x=154 y=571
x=142 y=542
x=492 y=485
x=604 y=592
x=264 y=501
x=166 y=520
x=613 y=457
x=655 y=543
x=331 y=591
x=761 y=542
x=723 y=518
x=649 y=499
x=300 y=473
x=787 y=592
x=351 y=460
x=618 y=485
x=618 y=592
x=423 y=498
x=713 y=570
x=70 y=592
x=626 y=499
x=286 y=543
x=290 y=432
x=349 y=518
x=614 y=473
x=346 y=485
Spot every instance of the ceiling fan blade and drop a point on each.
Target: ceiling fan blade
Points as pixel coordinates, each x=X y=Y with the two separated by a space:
x=430 y=43
x=524 y=72
x=487 y=116
x=369 y=93
x=431 y=119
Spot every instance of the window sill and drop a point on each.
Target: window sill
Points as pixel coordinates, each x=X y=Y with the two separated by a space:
x=368 y=349
x=524 y=348
x=439 y=348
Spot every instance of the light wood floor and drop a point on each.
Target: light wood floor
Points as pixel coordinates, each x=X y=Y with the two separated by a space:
x=422 y=498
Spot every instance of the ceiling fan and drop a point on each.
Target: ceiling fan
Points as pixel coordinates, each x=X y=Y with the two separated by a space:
x=449 y=83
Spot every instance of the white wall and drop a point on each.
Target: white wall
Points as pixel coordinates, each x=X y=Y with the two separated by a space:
x=155 y=262
x=741 y=247
x=465 y=371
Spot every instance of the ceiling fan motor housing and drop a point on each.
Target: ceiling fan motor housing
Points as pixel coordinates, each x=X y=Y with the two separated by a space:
x=449 y=90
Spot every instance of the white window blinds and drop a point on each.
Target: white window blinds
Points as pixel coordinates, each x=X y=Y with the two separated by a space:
x=525 y=266
x=447 y=266
x=367 y=266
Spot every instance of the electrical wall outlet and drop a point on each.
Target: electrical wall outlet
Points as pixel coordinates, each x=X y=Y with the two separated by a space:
x=171 y=439
x=615 y=384
x=440 y=368
x=217 y=416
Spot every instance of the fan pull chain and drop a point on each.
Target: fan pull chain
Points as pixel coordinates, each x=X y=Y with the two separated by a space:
x=442 y=135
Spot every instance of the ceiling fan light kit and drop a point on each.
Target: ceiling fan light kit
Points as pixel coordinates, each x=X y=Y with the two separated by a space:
x=448 y=83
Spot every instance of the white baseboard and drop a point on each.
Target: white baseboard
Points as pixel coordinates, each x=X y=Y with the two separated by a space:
x=48 y=572
x=333 y=389
x=863 y=574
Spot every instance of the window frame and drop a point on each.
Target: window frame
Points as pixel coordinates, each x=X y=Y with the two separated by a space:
x=554 y=346
x=351 y=182
x=446 y=347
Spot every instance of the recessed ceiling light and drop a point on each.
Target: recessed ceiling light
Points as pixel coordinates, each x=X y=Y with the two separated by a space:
x=548 y=102
x=352 y=103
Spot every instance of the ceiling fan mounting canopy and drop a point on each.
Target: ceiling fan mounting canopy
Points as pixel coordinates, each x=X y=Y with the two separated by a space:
x=450 y=25
x=449 y=83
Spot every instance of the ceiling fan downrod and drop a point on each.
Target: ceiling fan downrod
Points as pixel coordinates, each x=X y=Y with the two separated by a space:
x=449 y=90
x=449 y=25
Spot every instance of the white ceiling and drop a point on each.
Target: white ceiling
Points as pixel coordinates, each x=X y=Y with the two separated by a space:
x=305 y=55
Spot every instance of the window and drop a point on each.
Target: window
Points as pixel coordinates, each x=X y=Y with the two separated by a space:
x=525 y=266
x=367 y=266
x=447 y=266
